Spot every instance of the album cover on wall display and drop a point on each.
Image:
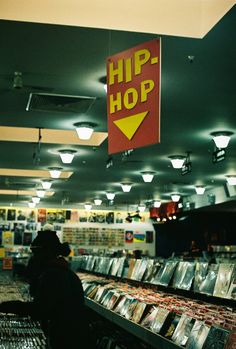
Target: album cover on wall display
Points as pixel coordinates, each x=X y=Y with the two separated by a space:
x=3 y=214
x=27 y=238
x=21 y=215
x=11 y=214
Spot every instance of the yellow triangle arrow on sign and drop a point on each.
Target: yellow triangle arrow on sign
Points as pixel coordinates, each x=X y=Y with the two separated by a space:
x=130 y=124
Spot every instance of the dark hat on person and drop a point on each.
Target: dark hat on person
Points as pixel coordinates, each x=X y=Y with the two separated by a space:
x=48 y=242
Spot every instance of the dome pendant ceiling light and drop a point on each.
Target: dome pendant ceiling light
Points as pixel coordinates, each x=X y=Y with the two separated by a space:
x=40 y=193
x=157 y=203
x=84 y=130
x=126 y=187
x=55 y=172
x=175 y=197
x=67 y=155
x=177 y=161
x=231 y=180
x=46 y=184
x=221 y=138
x=110 y=195
x=97 y=202
x=147 y=176
x=87 y=206
x=200 y=189
x=141 y=208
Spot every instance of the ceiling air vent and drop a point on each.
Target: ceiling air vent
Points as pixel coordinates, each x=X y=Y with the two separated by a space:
x=59 y=103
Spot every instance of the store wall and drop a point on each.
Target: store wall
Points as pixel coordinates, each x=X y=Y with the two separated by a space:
x=215 y=228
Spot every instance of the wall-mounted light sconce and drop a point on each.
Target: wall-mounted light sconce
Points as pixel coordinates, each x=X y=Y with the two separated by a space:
x=97 y=202
x=67 y=155
x=87 y=206
x=175 y=197
x=221 y=138
x=141 y=207
x=36 y=199
x=177 y=161
x=147 y=176
x=200 y=189
x=40 y=193
x=110 y=195
x=84 y=130
x=126 y=187
x=55 y=172
x=231 y=180
x=46 y=184
x=157 y=203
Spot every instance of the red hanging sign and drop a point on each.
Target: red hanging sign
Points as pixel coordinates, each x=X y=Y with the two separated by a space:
x=133 y=97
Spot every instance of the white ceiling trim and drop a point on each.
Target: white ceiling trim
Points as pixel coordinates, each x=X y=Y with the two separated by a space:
x=189 y=18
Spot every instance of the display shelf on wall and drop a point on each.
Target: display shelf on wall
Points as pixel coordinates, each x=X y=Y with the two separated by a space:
x=151 y=338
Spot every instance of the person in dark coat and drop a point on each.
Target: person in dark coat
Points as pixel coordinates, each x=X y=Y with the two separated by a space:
x=57 y=294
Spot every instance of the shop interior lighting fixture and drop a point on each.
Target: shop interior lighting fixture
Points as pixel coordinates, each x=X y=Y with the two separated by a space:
x=221 y=138
x=84 y=130
x=55 y=172
x=97 y=202
x=177 y=161
x=147 y=176
x=46 y=184
x=87 y=206
x=31 y=204
x=200 y=189
x=141 y=208
x=126 y=187
x=67 y=155
x=175 y=197
x=231 y=180
x=110 y=195
x=35 y=199
x=40 y=193
x=157 y=203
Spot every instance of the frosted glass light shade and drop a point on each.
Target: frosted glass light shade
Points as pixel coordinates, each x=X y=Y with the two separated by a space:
x=231 y=180
x=87 y=206
x=55 y=172
x=175 y=197
x=110 y=196
x=177 y=161
x=67 y=156
x=141 y=208
x=36 y=199
x=147 y=176
x=84 y=132
x=31 y=204
x=46 y=184
x=97 y=202
x=221 y=138
x=126 y=187
x=157 y=203
x=200 y=190
x=40 y=193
